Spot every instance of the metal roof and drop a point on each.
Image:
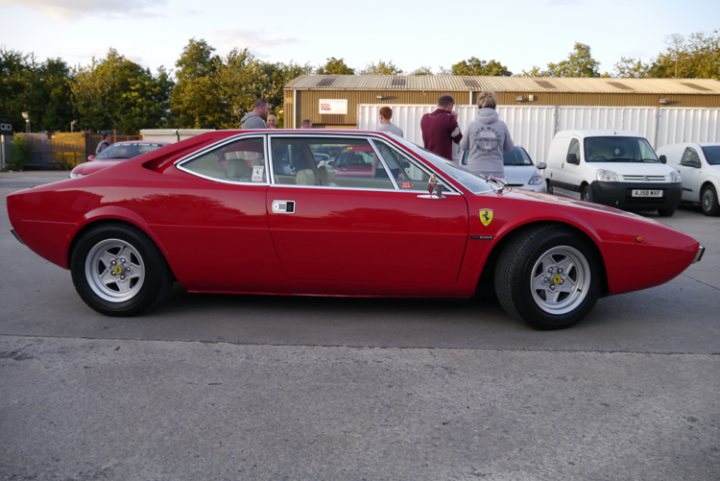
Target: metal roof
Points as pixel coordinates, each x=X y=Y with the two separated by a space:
x=452 y=83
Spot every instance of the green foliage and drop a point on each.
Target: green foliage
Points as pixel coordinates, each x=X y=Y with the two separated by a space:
x=579 y=63
x=21 y=153
x=381 y=68
x=475 y=66
x=335 y=66
x=629 y=67
x=422 y=71
x=40 y=89
x=116 y=93
x=695 y=57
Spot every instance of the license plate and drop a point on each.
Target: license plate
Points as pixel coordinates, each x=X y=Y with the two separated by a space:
x=647 y=193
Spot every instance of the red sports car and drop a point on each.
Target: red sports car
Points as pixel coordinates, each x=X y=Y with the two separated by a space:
x=117 y=152
x=253 y=212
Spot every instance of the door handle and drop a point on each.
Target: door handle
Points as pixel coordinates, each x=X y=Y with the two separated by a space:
x=283 y=207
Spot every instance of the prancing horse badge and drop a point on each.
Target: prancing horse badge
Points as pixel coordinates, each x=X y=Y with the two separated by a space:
x=486 y=216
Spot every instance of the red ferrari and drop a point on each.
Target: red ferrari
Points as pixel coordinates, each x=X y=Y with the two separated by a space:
x=253 y=212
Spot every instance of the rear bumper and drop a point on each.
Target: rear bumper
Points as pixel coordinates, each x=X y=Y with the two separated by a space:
x=619 y=194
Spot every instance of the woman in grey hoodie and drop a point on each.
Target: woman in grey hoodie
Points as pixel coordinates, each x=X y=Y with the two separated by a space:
x=486 y=139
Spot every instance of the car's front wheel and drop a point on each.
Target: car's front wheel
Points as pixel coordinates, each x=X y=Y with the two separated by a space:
x=118 y=270
x=548 y=277
x=709 y=201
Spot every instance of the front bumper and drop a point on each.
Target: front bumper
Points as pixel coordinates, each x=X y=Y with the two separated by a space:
x=619 y=194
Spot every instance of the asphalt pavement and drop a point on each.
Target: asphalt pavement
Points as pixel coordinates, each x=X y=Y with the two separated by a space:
x=245 y=387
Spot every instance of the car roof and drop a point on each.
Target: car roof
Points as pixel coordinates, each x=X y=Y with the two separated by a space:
x=583 y=133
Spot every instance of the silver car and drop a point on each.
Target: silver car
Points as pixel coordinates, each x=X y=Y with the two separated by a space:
x=520 y=171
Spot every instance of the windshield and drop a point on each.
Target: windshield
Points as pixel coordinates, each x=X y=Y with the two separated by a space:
x=619 y=149
x=126 y=151
x=517 y=156
x=470 y=181
x=712 y=154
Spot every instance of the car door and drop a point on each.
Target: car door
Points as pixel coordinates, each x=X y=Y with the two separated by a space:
x=214 y=224
x=381 y=233
x=568 y=177
x=691 y=172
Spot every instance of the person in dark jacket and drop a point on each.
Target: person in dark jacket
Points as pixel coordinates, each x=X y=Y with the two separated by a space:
x=440 y=128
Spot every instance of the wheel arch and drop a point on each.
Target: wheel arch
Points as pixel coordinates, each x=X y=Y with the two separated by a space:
x=486 y=279
x=101 y=221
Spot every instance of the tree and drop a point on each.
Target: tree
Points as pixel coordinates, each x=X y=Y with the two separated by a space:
x=475 y=66
x=422 y=71
x=195 y=100
x=579 y=63
x=695 y=57
x=116 y=93
x=381 y=68
x=629 y=67
x=335 y=66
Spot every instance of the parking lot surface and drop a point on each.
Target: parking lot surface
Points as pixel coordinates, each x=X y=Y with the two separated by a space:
x=239 y=387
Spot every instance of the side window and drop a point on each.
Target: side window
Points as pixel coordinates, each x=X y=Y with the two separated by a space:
x=240 y=161
x=327 y=162
x=405 y=171
x=574 y=148
x=690 y=158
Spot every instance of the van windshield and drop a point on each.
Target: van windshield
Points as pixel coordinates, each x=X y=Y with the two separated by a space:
x=619 y=149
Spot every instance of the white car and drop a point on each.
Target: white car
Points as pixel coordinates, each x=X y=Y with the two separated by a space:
x=699 y=166
x=520 y=170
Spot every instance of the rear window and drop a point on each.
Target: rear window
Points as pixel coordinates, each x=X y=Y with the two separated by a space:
x=619 y=149
x=126 y=151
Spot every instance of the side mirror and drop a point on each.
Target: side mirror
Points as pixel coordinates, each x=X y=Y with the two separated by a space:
x=541 y=165
x=572 y=159
x=663 y=159
x=91 y=158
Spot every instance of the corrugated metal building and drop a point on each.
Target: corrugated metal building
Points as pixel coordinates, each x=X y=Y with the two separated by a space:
x=333 y=100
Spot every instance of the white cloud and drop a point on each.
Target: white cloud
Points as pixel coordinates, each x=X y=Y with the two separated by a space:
x=253 y=39
x=70 y=9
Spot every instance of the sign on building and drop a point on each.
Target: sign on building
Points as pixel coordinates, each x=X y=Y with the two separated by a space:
x=6 y=127
x=333 y=106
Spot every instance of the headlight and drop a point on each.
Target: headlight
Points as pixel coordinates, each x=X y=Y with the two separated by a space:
x=675 y=176
x=607 y=176
x=535 y=180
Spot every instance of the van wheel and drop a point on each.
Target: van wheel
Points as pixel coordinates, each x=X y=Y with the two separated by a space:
x=549 y=187
x=709 y=201
x=586 y=193
x=548 y=277
x=666 y=212
x=118 y=271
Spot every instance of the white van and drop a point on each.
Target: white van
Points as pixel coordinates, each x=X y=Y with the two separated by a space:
x=614 y=168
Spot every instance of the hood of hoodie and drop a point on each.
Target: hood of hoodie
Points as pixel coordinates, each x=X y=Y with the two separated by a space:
x=248 y=115
x=488 y=116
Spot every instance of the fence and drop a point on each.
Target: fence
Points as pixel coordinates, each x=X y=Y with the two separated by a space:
x=58 y=150
x=533 y=127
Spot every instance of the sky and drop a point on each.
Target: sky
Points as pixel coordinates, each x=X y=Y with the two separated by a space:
x=410 y=34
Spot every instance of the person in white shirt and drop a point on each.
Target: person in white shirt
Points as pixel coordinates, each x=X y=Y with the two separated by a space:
x=386 y=125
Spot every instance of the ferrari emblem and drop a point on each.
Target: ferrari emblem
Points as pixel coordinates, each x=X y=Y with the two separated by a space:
x=486 y=216
x=117 y=270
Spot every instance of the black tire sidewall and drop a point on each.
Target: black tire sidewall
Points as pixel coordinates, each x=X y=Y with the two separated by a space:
x=516 y=268
x=156 y=272
x=714 y=208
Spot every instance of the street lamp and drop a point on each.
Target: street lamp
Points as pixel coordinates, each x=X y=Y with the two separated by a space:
x=72 y=125
x=26 y=116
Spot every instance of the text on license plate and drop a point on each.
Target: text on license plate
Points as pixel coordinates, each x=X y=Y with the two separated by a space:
x=647 y=193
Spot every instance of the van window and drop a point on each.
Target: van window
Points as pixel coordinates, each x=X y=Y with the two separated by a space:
x=574 y=148
x=712 y=154
x=619 y=149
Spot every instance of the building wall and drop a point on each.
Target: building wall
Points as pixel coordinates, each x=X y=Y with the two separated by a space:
x=308 y=102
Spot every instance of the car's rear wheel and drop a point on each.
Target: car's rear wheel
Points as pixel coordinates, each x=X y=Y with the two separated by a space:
x=118 y=270
x=709 y=201
x=548 y=277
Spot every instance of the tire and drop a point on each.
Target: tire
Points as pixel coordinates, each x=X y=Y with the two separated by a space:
x=549 y=187
x=666 y=212
x=118 y=271
x=586 y=193
x=709 y=201
x=548 y=277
